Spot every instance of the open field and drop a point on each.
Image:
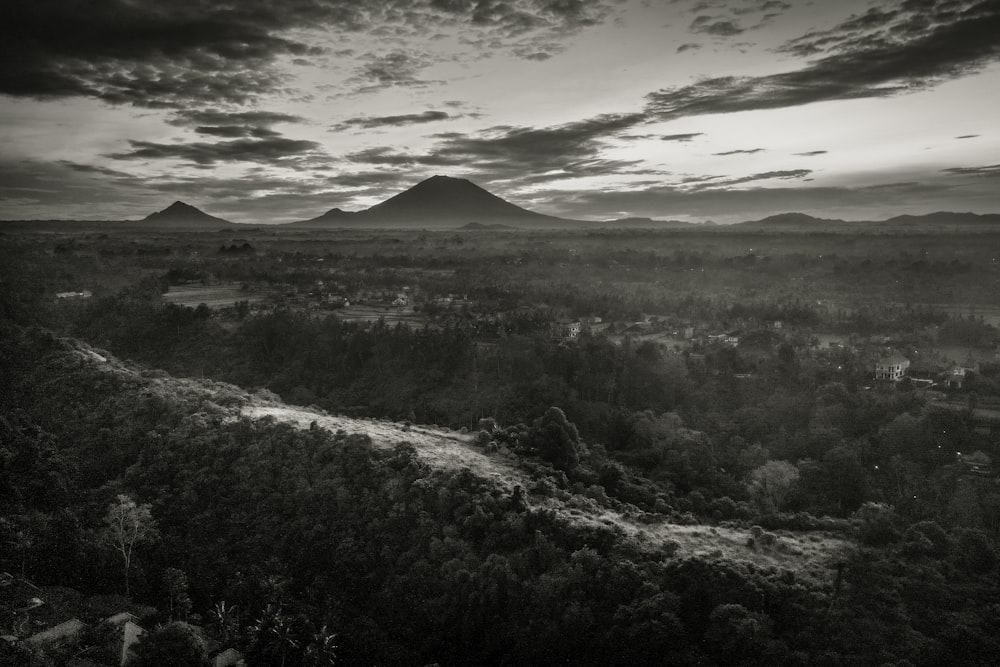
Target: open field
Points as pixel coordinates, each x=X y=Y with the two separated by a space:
x=392 y=315
x=213 y=296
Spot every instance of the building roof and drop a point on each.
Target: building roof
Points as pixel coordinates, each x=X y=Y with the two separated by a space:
x=892 y=360
x=65 y=631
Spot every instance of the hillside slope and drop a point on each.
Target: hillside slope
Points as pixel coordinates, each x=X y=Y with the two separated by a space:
x=451 y=450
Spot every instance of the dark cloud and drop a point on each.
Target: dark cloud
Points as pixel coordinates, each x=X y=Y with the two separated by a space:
x=524 y=149
x=741 y=151
x=690 y=46
x=847 y=34
x=919 y=50
x=709 y=25
x=681 y=137
x=35 y=189
x=221 y=189
x=271 y=150
x=91 y=169
x=811 y=153
x=390 y=156
x=516 y=18
x=394 y=69
x=248 y=118
x=774 y=6
x=233 y=125
x=769 y=7
x=724 y=183
x=991 y=170
x=687 y=180
x=173 y=54
x=372 y=122
x=234 y=131
x=515 y=156
x=967 y=136
x=142 y=52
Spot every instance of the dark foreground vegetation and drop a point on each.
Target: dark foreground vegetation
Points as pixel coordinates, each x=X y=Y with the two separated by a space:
x=311 y=548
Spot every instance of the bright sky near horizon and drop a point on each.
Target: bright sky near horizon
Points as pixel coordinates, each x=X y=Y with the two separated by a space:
x=272 y=111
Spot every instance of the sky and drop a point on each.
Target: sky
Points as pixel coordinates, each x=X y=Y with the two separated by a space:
x=266 y=111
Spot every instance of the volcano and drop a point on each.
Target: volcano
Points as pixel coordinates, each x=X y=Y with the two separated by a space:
x=440 y=201
x=184 y=215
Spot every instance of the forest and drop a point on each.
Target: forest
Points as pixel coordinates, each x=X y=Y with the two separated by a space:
x=312 y=547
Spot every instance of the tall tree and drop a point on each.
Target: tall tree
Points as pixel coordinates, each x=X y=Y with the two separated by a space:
x=771 y=482
x=178 y=602
x=126 y=525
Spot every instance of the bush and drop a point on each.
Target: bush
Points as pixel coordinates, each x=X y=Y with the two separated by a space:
x=555 y=439
x=723 y=508
x=876 y=524
x=176 y=644
x=973 y=552
x=926 y=538
x=803 y=521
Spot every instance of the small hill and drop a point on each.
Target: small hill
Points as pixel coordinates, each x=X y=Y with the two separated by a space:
x=331 y=217
x=946 y=218
x=924 y=223
x=183 y=215
x=441 y=201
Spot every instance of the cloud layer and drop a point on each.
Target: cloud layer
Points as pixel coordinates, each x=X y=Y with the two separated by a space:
x=150 y=53
x=877 y=54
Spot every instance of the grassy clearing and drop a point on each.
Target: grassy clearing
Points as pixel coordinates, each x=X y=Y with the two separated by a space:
x=392 y=315
x=213 y=296
x=809 y=552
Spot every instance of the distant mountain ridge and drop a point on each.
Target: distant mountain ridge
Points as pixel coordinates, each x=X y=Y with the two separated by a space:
x=446 y=202
x=793 y=219
x=806 y=221
x=947 y=218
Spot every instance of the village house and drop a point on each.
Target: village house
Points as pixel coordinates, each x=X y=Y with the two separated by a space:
x=954 y=378
x=85 y=294
x=732 y=338
x=567 y=329
x=891 y=368
x=976 y=463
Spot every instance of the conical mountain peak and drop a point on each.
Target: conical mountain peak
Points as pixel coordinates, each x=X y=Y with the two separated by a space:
x=181 y=213
x=440 y=201
x=179 y=206
x=448 y=198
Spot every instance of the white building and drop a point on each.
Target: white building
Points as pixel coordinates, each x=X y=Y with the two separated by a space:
x=891 y=368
